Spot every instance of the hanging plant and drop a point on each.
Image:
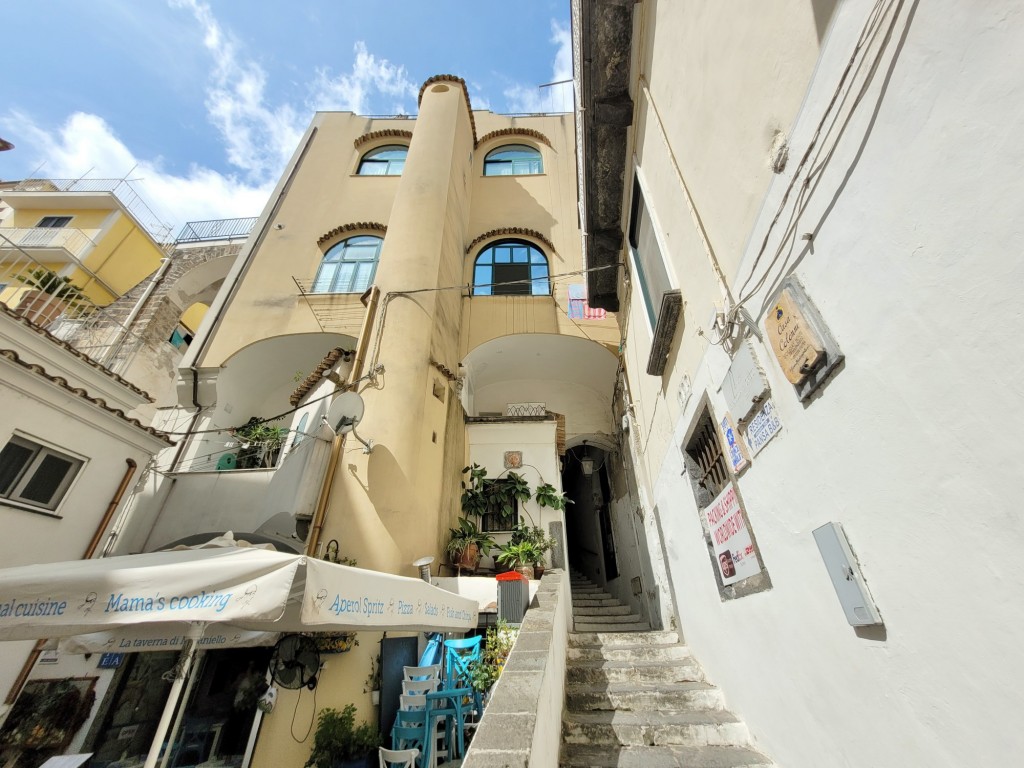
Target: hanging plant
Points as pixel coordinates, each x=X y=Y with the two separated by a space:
x=336 y=642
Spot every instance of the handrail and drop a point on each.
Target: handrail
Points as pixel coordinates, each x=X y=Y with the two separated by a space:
x=216 y=229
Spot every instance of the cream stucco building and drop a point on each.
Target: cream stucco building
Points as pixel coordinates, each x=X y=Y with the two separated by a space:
x=839 y=176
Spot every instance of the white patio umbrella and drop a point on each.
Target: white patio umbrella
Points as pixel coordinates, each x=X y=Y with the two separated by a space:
x=237 y=592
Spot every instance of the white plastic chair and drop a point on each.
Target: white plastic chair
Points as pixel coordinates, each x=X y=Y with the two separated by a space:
x=412 y=701
x=420 y=686
x=398 y=758
x=422 y=673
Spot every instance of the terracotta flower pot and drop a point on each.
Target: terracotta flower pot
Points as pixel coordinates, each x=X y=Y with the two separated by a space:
x=470 y=558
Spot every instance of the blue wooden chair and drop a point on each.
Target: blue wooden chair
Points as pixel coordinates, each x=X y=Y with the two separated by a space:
x=459 y=656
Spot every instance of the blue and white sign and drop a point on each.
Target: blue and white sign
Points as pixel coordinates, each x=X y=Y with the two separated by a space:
x=763 y=427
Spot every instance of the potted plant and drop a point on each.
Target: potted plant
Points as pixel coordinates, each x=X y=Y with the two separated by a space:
x=540 y=540
x=263 y=444
x=520 y=556
x=468 y=544
x=372 y=684
x=548 y=496
x=49 y=295
x=340 y=743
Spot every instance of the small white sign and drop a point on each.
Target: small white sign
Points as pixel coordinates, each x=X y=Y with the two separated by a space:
x=49 y=657
x=763 y=427
x=733 y=445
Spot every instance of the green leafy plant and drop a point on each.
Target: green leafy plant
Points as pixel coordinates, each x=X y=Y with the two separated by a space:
x=338 y=738
x=468 y=533
x=520 y=554
x=534 y=535
x=474 y=501
x=503 y=493
x=485 y=671
x=548 y=496
x=264 y=446
x=50 y=282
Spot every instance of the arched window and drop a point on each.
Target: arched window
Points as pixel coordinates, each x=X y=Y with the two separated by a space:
x=348 y=266
x=512 y=160
x=511 y=268
x=384 y=161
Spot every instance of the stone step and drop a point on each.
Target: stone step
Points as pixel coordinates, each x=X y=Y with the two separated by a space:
x=613 y=618
x=628 y=653
x=639 y=697
x=601 y=627
x=663 y=757
x=586 y=602
x=601 y=610
x=634 y=672
x=620 y=639
x=590 y=593
x=693 y=728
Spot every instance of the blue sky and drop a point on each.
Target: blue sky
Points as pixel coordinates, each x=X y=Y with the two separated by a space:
x=207 y=99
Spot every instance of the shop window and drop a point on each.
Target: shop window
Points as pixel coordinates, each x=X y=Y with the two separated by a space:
x=511 y=268
x=348 y=266
x=383 y=161
x=35 y=475
x=513 y=160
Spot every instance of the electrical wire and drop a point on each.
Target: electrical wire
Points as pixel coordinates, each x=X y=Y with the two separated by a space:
x=867 y=32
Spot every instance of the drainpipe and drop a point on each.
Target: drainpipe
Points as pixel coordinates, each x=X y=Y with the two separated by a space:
x=90 y=550
x=320 y=514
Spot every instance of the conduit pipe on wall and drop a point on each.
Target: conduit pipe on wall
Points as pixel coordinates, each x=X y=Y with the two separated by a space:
x=320 y=513
x=90 y=550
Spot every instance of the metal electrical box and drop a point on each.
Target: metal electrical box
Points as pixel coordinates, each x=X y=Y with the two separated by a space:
x=513 y=597
x=846 y=577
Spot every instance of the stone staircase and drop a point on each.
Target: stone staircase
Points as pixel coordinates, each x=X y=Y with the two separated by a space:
x=638 y=698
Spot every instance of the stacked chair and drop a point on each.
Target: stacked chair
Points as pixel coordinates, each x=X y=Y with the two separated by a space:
x=414 y=733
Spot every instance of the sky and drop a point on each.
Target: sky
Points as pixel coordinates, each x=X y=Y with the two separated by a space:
x=202 y=102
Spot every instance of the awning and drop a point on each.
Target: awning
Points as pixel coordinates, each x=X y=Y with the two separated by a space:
x=228 y=588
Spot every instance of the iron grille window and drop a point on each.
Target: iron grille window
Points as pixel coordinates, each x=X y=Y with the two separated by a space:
x=493 y=521
x=706 y=461
x=35 y=475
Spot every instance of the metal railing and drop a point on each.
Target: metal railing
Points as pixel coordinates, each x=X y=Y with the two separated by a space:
x=120 y=188
x=30 y=289
x=216 y=229
x=75 y=241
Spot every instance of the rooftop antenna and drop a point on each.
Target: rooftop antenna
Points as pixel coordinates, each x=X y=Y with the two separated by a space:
x=344 y=414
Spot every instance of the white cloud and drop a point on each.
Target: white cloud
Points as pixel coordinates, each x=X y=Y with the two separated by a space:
x=85 y=145
x=258 y=138
x=555 y=98
x=369 y=76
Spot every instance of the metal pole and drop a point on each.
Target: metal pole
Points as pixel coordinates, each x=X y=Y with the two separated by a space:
x=181 y=670
x=181 y=712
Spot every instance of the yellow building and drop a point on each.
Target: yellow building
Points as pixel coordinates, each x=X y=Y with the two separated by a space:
x=434 y=263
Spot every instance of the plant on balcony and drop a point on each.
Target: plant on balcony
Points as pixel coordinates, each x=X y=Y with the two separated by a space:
x=468 y=544
x=49 y=282
x=548 y=496
x=263 y=444
x=521 y=557
x=539 y=539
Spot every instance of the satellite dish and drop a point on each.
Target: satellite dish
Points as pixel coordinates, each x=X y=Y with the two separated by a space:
x=345 y=412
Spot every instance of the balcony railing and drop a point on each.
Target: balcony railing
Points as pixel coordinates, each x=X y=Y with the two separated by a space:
x=120 y=188
x=74 y=241
x=216 y=229
x=31 y=290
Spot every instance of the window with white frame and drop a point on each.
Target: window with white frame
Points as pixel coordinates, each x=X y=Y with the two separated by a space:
x=513 y=160
x=35 y=475
x=348 y=266
x=384 y=161
x=647 y=258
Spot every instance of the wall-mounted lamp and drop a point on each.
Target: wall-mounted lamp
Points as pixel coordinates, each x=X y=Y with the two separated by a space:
x=424 y=565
